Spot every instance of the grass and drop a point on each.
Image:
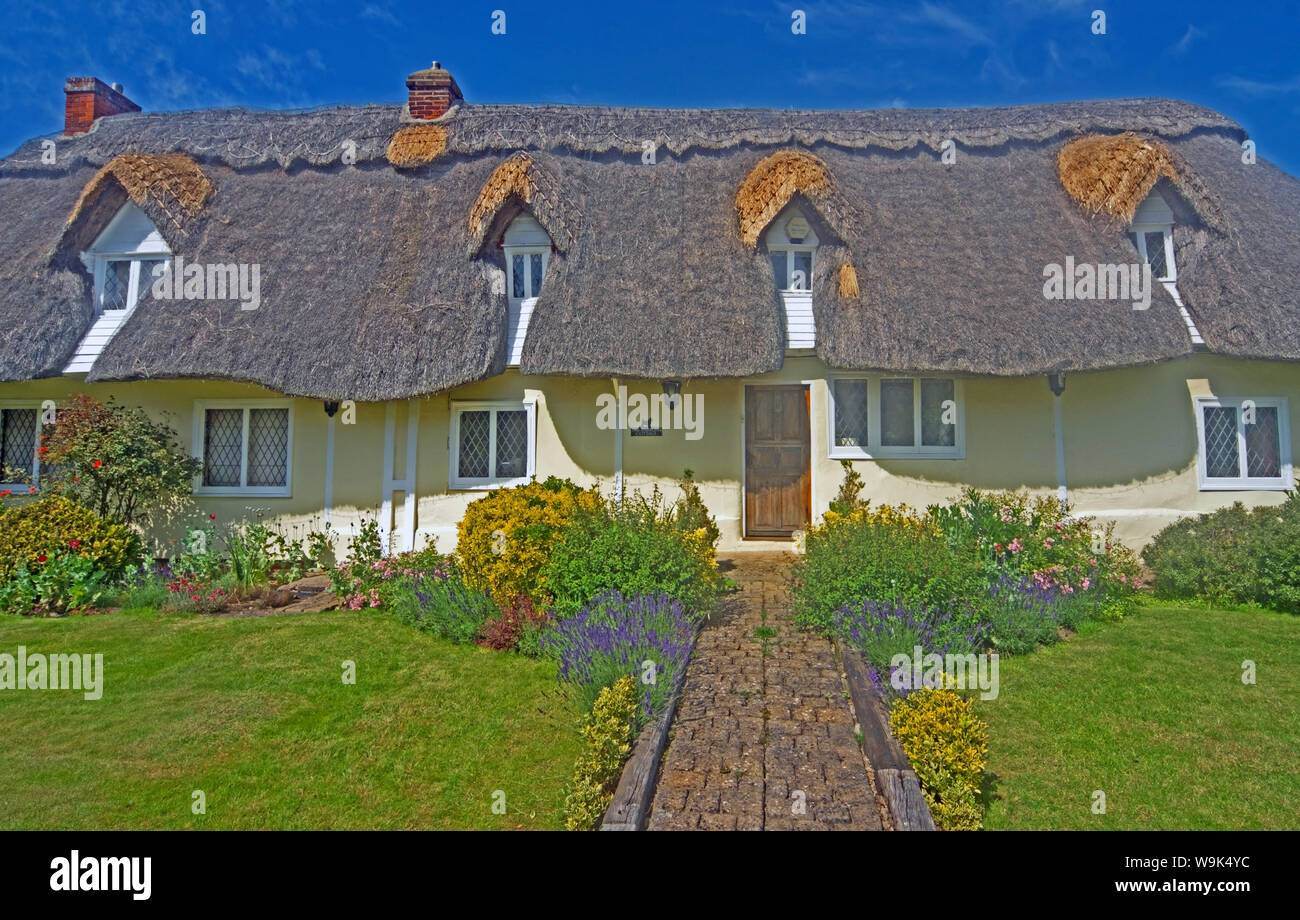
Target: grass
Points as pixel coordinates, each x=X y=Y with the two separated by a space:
x=1153 y=712
x=254 y=713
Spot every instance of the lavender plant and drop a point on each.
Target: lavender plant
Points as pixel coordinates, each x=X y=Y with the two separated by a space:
x=615 y=636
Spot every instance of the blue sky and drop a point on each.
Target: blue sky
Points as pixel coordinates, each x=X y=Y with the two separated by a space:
x=1238 y=58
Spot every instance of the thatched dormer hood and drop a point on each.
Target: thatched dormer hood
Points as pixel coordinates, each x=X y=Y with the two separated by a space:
x=381 y=279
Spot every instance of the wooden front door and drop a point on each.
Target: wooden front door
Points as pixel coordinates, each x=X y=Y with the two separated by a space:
x=778 y=477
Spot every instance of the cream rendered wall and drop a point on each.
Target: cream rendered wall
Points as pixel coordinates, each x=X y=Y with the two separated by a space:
x=1130 y=441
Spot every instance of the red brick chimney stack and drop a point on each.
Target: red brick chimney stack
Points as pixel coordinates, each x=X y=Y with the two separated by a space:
x=89 y=98
x=432 y=92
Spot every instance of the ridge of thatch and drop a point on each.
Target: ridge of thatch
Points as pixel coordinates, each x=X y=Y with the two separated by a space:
x=1113 y=174
x=415 y=145
x=522 y=177
x=171 y=183
x=244 y=139
x=771 y=184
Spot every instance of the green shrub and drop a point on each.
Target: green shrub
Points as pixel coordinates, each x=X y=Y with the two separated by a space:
x=690 y=513
x=607 y=741
x=439 y=602
x=1275 y=547
x=117 y=461
x=53 y=526
x=1210 y=557
x=633 y=547
x=889 y=556
x=59 y=585
x=947 y=745
x=506 y=538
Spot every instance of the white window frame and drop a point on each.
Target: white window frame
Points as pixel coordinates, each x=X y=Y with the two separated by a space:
x=1140 y=232
x=23 y=488
x=1244 y=483
x=525 y=251
x=200 y=415
x=790 y=249
x=459 y=407
x=874 y=450
x=136 y=259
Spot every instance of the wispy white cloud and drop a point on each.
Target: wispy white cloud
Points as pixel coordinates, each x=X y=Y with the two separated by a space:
x=1183 y=44
x=1248 y=87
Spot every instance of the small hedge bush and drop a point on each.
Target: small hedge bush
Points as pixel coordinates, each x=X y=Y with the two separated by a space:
x=634 y=547
x=53 y=526
x=1232 y=556
x=607 y=741
x=947 y=745
x=886 y=556
x=506 y=538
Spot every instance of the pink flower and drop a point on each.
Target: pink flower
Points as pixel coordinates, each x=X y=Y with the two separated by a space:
x=1059 y=527
x=1015 y=546
x=1048 y=542
x=374 y=597
x=1086 y=584
x=1123 y=578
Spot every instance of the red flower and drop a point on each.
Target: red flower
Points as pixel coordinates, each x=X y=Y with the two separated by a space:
x=42 y=450
x=74 y=543
x=7 y=492
x=32 y=490
x=212 y=517
x=42 y=557
x=98 y=463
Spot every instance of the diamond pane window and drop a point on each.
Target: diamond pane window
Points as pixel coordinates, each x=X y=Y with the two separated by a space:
x=512 y=444
x=475 y=444
x=517 y=275
x=223 y=447
x=17 y=445
x=1263 y=445
x=1156 y=254
x=268 y=447
x=117 y=285
x=851 y=413
x=1221 y=457
x=492 y=445
x=148 y=267
x=935 y=432
x=537 y=267
x=897 y=424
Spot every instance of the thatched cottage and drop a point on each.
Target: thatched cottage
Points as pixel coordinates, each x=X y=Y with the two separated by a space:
x=384 y=311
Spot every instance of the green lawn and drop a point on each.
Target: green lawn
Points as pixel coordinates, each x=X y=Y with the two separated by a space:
x=1153 y=712
x=254 y=712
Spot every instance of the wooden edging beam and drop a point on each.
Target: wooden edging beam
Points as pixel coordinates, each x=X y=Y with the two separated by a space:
x=630 y=808
x=896 y=779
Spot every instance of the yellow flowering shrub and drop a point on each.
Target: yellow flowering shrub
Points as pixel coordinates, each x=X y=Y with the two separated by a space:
x=947 y=744
x=607 y=741
x=54 y=525
x=506 y=537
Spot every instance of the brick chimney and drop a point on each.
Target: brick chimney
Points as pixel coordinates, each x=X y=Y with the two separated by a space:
x=432 y=92
x=89 y=98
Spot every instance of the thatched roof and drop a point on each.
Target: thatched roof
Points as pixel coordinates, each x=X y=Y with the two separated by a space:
x=383 y=282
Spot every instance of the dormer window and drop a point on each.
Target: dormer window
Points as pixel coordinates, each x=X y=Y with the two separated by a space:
x=126 y=259
x=528 y=249
x=528 y=253
x=791 y=245
x=1152 y=234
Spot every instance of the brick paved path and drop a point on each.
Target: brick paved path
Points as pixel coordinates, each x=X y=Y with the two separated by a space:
x=764 y=716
